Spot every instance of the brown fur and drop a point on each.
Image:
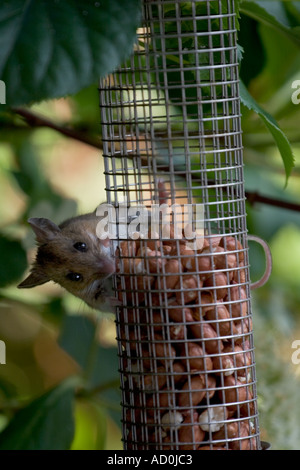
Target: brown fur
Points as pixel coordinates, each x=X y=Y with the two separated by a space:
x=57 y=257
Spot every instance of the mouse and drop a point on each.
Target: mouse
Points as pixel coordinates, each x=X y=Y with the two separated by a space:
x=74 y=256
x=71 y=255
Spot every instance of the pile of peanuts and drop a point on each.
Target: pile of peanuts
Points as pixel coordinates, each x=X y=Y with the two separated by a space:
x=185 y=330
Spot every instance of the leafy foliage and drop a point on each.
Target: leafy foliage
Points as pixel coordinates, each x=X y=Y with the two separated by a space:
x=282 y=16
x=45 y=424
x=278 y=390
x=13 y=257
x=100 y=365
x=251 y=65
x=64 y=45
x=280 y=138
x=57 y=48
x=254 y=56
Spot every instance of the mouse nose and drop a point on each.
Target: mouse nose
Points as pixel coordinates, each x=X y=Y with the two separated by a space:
x=106 y=266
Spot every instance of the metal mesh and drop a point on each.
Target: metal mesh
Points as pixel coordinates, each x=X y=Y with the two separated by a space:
x=184 y=329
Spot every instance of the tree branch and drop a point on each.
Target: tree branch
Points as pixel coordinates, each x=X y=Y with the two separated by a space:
x=35 y=120
x=254 y=197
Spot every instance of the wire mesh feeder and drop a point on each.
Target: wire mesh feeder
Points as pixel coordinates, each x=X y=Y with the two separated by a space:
x=172 y=134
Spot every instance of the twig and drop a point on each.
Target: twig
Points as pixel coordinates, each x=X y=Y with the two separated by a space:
x=36 y=120
x=254 y=197
x=115 y=383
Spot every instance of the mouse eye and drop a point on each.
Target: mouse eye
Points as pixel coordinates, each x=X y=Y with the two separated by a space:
x=80 y=246
x=76 y=277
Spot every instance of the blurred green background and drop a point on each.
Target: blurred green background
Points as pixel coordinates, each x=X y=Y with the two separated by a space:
x=51 y=336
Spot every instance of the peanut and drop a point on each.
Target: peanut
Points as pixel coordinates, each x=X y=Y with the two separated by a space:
x=136 y=288
x=171 y=420
x=235 y=393
x=178 y=372
x=177 y=331
x=129 y=316
x=128 y=252
x=129 y=338
x=151 y=259
x=239 y=274
x=128 y=248
x=171 y=278
x=190 y=433
x=192 y=392
x=180 y=314
x=184 y=253
x=155 y=380
x=166 y=250
x=161 y=351
x=198 y=326
x=210 y=385
x=163 y=400
x=158 y=321
x=220 y=320
x=223 y=365
x=242 y=330
x=199 y=264
x=166 y=444
x=155 y=245
x=208 y=336
x=238 y=301
x=195 y=357
x=224 y=261
x=217 y=283
x=228 y=431
x=248 y=409
x=188 y=289
x=241 y=359
x=231 y=244
x=206 y=300
x=244 y=440
x=213 y=240
x=213 y=419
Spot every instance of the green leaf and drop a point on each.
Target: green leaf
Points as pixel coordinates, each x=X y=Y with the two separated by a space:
x=293 y=12
x=280 y=138
x=29 y=175
x=254 y=56
x=286 y=268
x=13 y=261
x=237 y=4
x=105 y=368
x=272 y=14
x=47 y=423
x=100 y=364
x=78 y=338
x=91 y=426
x=51 y=48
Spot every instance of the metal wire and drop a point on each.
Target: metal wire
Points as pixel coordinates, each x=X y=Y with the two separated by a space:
x=184 y=329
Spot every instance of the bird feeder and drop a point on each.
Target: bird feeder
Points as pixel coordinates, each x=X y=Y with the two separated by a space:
x=172 y=145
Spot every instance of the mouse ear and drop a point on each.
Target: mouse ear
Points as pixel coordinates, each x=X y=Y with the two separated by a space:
x=35 y=278
x=44 y=229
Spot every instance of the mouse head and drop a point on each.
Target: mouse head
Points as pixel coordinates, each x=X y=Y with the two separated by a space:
x=71 y=255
